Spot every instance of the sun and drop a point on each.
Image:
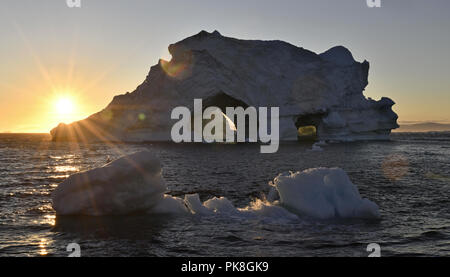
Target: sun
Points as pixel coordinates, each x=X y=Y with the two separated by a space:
x=64 y=105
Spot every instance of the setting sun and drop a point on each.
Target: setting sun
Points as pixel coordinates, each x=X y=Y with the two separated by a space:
x=64 y=106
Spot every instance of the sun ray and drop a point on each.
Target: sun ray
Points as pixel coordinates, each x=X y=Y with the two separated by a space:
x=71 y=59
x=41 y=68
x=102 y=75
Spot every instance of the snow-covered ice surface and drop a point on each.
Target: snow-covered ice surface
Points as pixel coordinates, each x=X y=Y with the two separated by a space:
x=129 y=184
x=324 y=90
x=133 y=183
x=323 y=193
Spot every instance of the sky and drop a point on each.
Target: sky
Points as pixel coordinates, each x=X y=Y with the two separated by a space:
x=61 y=64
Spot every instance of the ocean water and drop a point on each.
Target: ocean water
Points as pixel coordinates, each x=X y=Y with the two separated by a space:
x=408 y=177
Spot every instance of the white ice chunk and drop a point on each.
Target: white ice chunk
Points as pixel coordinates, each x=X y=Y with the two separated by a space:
x=323 y=193
x=131 y=183
x=316 y=147
x=169 y=205
x=195 y=205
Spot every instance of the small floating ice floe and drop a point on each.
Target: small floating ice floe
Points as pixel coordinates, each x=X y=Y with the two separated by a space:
x=321 y=143
x=317 y=146
x=323 y=193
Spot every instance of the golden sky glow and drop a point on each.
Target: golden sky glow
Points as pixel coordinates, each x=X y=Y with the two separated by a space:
x=90 y=54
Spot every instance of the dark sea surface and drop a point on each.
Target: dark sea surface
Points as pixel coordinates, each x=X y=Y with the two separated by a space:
x=408 y=177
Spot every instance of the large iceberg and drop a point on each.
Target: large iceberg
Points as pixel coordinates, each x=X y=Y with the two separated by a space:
x=134 y=183
x=321 y=90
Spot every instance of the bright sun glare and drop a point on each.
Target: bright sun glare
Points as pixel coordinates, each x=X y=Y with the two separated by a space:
x=64 y=106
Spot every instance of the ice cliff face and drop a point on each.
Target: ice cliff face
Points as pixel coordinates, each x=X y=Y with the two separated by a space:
x=322 y=90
